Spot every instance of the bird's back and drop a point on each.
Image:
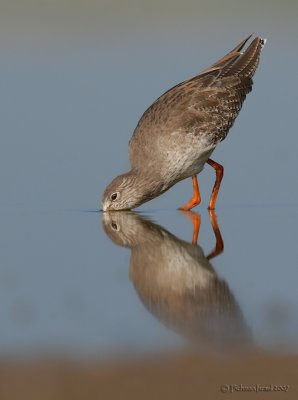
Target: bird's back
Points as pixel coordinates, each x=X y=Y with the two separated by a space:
x=203 y=106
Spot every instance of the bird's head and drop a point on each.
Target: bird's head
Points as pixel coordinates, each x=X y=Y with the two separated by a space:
x=125 y=192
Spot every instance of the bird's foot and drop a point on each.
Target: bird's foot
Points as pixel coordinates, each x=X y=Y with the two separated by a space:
x=190 y=204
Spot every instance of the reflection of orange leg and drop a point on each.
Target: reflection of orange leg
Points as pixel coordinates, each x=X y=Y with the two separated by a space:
x=219 y=245
x=219 y=175
x=196 y=222
x=196 y=198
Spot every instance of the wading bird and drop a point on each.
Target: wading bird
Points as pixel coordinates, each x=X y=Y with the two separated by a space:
x=177 y=134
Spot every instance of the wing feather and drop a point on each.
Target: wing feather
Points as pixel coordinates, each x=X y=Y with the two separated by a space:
x=209 y=102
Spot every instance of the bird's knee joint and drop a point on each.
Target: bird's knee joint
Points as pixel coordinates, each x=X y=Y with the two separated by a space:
x=220 y=169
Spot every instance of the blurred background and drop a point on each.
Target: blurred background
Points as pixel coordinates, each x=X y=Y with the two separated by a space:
x=75 y=77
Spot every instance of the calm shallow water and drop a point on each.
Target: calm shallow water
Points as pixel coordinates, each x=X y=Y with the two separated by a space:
x=65 y=286
x=74 y=84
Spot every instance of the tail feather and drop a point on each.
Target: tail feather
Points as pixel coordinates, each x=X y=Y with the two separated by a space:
x=237 y=63
x=232 y=55
x=246 y=63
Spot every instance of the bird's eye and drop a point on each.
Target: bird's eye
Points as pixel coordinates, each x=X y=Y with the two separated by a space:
x=114 y=196
x=115 y=226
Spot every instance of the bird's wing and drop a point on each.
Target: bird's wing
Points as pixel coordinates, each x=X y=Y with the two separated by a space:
x=210 y=101
x=222 y=89
x=213 y=109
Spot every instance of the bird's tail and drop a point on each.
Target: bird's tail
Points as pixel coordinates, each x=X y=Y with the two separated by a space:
x=238 y=63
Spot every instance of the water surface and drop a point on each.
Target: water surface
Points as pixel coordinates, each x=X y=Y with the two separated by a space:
x=74 y=82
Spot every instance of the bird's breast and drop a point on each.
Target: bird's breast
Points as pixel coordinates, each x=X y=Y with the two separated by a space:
x=185 y=158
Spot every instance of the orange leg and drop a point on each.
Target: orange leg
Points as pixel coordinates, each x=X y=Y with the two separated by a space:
x=219 y=175
x=196 y=222
x=196 y=198
x=219 y=245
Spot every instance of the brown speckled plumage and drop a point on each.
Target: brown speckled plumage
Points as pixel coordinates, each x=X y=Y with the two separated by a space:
x=177 y=134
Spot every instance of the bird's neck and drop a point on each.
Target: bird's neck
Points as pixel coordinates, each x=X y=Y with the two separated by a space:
x=147 y=184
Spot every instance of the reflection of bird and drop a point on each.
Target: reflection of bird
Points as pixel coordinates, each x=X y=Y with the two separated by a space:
x=177 y=134
x=176 y=281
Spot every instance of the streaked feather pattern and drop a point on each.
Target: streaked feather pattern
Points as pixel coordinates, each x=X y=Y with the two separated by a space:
x=208 y=103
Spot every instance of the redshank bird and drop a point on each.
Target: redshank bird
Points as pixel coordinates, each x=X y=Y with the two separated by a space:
x=177 y=134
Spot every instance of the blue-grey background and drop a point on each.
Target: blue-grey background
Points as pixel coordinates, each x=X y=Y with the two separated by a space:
x=74 y=79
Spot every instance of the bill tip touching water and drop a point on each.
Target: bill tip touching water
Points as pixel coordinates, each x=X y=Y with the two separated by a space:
x=177 y=134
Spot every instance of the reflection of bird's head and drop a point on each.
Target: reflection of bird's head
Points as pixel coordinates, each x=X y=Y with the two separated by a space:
x=129 y=229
